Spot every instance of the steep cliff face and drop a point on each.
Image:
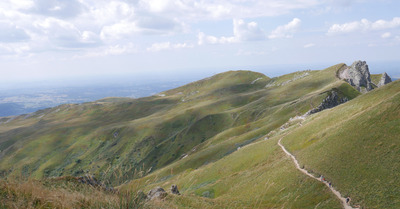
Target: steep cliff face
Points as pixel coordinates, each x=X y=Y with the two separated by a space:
x=385 y=79
x=358 y=76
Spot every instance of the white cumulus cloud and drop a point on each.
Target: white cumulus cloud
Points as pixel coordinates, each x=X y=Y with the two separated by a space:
x=247 y=31
x=59 y=25
x=167 y=46
x=206 y=39
x=118 y=30
x=363 y=26
x=224 y=9
x=19 y=4
x=386 y=35
x=60 y=33
x=242 y=31
x=286 y=31
x=110 y=50
x=309 y=45
x=12 y=33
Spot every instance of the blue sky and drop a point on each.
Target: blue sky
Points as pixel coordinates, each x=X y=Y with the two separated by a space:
x=58 y=39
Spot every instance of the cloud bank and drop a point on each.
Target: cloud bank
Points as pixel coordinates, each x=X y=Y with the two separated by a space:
x=243 y=32
x=83 y=25
x=363 y=25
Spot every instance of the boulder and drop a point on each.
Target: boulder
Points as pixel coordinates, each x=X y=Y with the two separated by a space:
x=358 y=76
x=174 y=190
x=385 y=79
x=156 y=193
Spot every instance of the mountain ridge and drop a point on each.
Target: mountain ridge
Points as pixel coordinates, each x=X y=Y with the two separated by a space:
x=197 y=136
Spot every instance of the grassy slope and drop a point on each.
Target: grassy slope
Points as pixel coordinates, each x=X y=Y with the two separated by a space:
x=62 y=193
x=106 y=135
x=356 y=146
x=256 y=176
x=375 y=78
x=208 y=120
x=149 y=133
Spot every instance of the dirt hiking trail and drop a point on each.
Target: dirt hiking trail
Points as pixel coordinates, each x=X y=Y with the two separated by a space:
x=337 y=193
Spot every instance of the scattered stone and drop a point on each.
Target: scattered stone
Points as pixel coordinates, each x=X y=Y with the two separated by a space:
x=253 y=82
x=271 y=84
x=174 y=189
x=385 y=79
x=115 y=134
x=156 y=193
x=183 y=156
x=297 y=76
x=358 y=76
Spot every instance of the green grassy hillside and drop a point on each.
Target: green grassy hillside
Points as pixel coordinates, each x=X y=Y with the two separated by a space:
x=356 y=146
x=258 y=175
x=138 y=136
x=63 y=192
x=217 y=140
x=375 y=78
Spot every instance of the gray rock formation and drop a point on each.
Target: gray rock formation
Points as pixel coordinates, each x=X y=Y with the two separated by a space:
x=332 y=100
x=385 y=79
x=156 y=193
x=174 y=189
x=358 y=76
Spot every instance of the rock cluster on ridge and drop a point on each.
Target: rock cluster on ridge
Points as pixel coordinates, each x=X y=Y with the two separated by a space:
x=385 y=79
x=332 y=100
x=358 y=76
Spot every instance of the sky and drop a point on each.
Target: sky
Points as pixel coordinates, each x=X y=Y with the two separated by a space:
x=42 y=40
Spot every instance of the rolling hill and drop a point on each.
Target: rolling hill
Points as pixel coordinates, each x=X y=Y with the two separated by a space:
x=217 y=140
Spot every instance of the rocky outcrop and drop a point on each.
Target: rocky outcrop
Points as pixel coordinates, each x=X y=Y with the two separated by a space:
x=156 y=193
x=358 y=76
x=332 y=100
x=385 y=79
x=174 y=189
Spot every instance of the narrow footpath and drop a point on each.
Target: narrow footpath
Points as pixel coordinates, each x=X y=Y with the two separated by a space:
x=337 y=193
